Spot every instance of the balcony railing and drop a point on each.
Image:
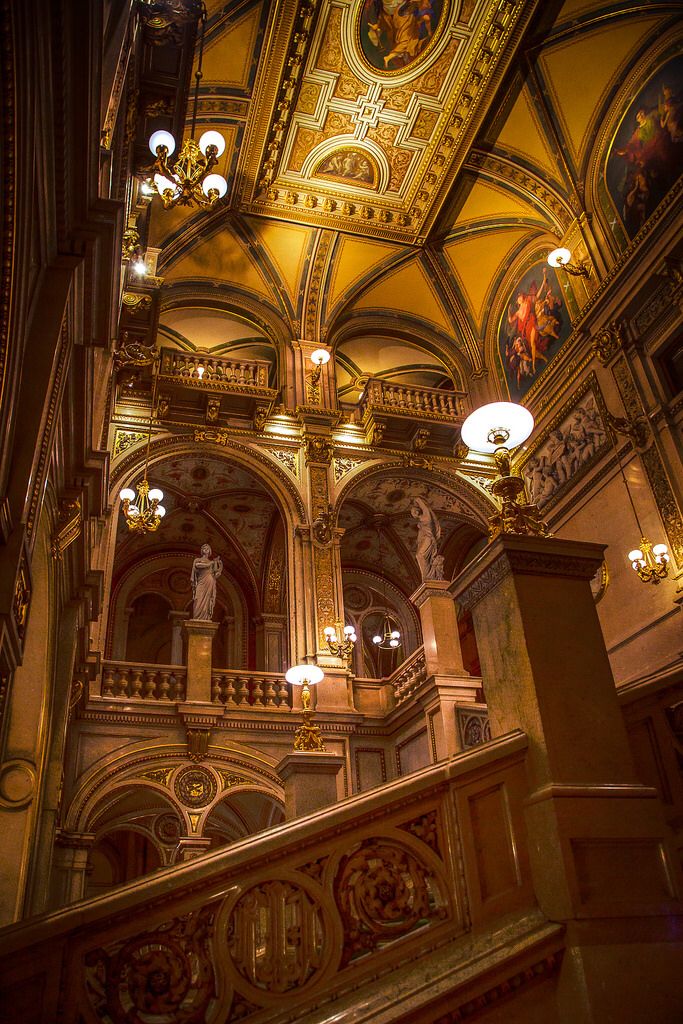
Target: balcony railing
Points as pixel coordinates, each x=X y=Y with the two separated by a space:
x=130 y=681
x=250 y=690
x=408 y=676
x=233 y=374
x=424 y=403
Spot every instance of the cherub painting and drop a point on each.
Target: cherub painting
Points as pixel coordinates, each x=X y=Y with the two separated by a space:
x=349 y=165
x=534 y=326
x=646 y=156
x=393 y=33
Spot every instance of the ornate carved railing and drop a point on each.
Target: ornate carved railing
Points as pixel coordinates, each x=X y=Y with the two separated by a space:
x=236 y=373
x=143 y=682
x=302 y=915
x=429 y=403
x=408 y=676
x=252 y=690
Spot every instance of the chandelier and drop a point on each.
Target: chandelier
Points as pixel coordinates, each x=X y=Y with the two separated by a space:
x=390 y=638
x=340 y=643
x=143 y=511
x=189 y=178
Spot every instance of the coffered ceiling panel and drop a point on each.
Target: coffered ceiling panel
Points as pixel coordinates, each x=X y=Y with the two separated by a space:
x=374 y=109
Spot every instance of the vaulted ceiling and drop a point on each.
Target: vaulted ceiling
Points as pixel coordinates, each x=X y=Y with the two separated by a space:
x=394 y=170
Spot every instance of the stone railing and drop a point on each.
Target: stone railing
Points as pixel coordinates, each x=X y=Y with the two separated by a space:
x=123 y=679
x=429 y=403
x=250 y=690
x=237 y=373
x=388 y=885
x=408 y=676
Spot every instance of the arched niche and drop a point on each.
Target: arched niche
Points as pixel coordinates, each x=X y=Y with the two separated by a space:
x=244 y=506
x=379 y=567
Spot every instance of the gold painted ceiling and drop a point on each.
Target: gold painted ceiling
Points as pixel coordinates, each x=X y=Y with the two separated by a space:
x=390 y=183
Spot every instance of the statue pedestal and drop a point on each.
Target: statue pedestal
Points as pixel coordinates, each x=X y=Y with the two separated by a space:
x=200 y=636
x=436 y=606
x=309 y=779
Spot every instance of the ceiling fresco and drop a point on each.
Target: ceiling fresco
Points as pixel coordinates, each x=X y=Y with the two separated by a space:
x=395 y=172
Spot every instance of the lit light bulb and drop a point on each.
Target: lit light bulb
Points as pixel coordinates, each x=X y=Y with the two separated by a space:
x=212 y=138
x=140 y=267
x=161 y=511
x=320 y=356
x=133 y=510
x=163 y=184
x=348 y=630
x=156 y=495
x=559 y=257
x=161 y=138
x=393 y=643
x=217 y=182
x=146 y=189
x=377 y=639
x=329 y=631
x=635 y=556
x=660 y=549
x=395 y=635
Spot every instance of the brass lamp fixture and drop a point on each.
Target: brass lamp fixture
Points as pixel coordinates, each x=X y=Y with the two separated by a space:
x=340 y=642
x=143 y=512
x=649 y=561
x=494 y=429
x=307 y=736
x=319 y=358
x=561 y=258
x=189 y=179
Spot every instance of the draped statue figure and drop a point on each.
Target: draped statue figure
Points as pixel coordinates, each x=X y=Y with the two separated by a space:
x=205 y=572
x=428 y=534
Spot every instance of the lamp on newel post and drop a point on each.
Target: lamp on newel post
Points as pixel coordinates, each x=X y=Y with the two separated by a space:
x=495 y=429
x=307 y=736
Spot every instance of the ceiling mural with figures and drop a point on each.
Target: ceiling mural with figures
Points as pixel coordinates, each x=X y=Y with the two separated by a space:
x=396 y=172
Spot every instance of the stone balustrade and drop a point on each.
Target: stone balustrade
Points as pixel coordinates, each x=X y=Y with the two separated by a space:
x=251 y=690
x=282 y=922
x=123 y=679
x=428 y=403
x=408 y=676
x=237 y=373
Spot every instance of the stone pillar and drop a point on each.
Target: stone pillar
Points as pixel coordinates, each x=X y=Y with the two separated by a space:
x=200 y=636
x=72 y=853
x=190 y=847
x=309 y=779
x=447 y=683
x=600 y=851
x=177 y=619
x=270 y=633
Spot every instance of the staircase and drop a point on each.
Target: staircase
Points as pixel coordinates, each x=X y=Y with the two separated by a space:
x=412 y=902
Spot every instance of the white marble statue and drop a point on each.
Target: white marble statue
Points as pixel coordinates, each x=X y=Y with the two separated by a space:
x=205 y=572
x=428 y=534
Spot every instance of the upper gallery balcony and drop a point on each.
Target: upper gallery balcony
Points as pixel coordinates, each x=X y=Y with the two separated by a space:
x=420 y=417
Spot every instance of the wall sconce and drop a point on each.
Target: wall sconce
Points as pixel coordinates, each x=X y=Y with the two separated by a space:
x=494 y=429
x=307 y=736
x=561 y=257
x=319 y=358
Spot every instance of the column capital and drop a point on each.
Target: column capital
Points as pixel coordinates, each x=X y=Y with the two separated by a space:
x=430 y=588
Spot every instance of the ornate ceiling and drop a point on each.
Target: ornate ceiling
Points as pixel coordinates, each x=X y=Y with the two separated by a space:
x=394 y=173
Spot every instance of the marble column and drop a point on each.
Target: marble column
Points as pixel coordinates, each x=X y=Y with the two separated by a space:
x=447 y=683
x=200 y=636
x=601 y=855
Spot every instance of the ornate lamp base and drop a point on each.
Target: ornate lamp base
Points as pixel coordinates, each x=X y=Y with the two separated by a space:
x=308 y=736
x=515 y=516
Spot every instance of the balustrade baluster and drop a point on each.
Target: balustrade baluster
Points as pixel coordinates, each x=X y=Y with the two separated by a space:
x=108 y=682
x=229 y=690
x=257 y=692
x=164 y=686
x=150 y=684
x=216 y=689
x=136 y=682
x=269 y=693
x=242 y=690
x=121 y=686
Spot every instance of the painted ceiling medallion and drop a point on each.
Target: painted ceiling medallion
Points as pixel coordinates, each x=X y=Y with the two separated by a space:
x=349 y=165
x=394 y=36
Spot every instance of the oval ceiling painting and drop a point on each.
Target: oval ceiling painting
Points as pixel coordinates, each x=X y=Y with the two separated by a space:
x=395 y=34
